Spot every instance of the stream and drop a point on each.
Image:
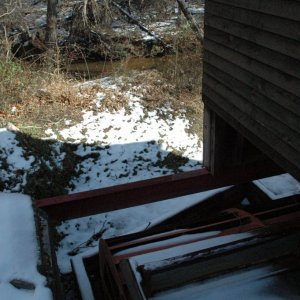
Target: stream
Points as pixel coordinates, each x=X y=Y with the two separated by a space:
x=90 y=70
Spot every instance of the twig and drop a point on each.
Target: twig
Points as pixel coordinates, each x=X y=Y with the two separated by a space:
x=88 y=243
x=8 y=13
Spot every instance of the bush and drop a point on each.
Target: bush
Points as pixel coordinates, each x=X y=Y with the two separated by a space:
x=13 y=82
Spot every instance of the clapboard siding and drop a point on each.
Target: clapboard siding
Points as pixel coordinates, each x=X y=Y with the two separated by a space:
x=243 y=128
x=288 y=9
x=265 y=110
x=268 y=23
x=280 y=79
x=284 y=63
x=265 y=39
x=252 y=73
x=291 y=103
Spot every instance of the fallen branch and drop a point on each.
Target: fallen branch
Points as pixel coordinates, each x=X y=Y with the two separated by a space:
x=8 y=13
x=191 y=20
x=136 y=22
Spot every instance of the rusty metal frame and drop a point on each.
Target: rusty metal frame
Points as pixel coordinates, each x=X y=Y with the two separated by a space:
x=147 y=191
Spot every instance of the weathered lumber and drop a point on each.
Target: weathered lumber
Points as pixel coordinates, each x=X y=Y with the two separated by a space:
x=264 y=22
x=270 y=74
x=130 y=281
x=291 y=103
x=213 y=261
x=110 y=281
x=267 y=112
x=150 y=190
x=288 y=9
x=283 y=63
x=248 y=127
x=244 y=112
x=256 y=35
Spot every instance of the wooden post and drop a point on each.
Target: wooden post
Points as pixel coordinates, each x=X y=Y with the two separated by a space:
x=224 y=147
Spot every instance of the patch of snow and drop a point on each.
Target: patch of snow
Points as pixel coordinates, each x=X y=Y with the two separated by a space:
x=185 y=238
x=119 y=222
x=185 y=249
x=245 y=202
x=83 y=281
x=280 y=186
x=51 y=134
x=19 y=250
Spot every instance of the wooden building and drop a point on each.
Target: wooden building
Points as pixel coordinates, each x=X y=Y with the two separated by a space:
x=251 y=83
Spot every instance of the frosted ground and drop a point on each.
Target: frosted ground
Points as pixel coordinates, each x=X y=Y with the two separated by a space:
x=128 y=144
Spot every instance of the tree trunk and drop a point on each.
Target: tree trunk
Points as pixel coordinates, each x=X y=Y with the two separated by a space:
x=51 y=34
x=191 y=20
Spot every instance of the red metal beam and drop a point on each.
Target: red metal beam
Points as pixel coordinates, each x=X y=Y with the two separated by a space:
x=147 y=191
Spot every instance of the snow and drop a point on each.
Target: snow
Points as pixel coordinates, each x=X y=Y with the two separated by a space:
x=157 y=259
x=128 y=144
x=119 y=222
x=156 y=256
x=186 y=238
x=83 y=281
x=19 y=250
x=280 y=186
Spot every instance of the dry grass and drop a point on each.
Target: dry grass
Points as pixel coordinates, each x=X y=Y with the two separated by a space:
x=35 y=99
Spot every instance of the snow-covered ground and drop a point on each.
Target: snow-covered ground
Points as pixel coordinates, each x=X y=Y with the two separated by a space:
x=19 y=278
x=120 y=146
x=128 y=144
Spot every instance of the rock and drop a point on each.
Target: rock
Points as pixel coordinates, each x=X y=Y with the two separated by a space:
x=12 y=127
x=22 y=284
x=41 y=21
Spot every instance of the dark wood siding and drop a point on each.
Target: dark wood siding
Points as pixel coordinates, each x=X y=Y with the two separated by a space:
x=252 y=73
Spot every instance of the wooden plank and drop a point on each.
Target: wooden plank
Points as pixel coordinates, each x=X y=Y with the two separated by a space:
x=151 y=190
x=285 y=100
x=130 y=281
x=218 y=260
x=288 y=9
x=270 y=74
x=224 y=146
x=258 y=137
x=283 y=63
x=208 y=149
x=265 y=22
x=281 y=122
x=110 y=280
x=245 y=111
x=258 y=36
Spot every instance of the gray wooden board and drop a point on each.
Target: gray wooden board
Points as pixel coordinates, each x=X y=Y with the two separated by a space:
x=279 y=26
x=130 y=281
x=270 y=74
x=281 y=122
x=282 y=63
x=288 y=9
x=201 y=268
x=258 y=36
x=287 y=103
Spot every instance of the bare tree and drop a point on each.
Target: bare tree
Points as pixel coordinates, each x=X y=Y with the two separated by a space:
x=51 y=30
